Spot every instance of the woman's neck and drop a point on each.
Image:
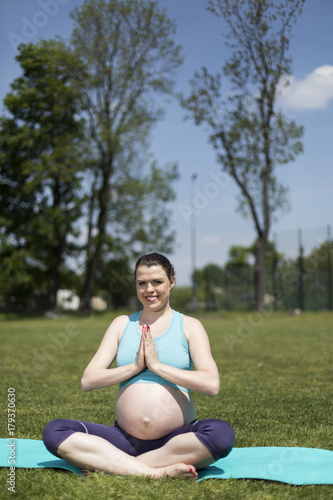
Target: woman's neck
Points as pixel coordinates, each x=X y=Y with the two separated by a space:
x=149 y=317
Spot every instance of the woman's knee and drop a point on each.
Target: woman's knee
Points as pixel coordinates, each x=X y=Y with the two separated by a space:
x=56 y=431
x=218 y=436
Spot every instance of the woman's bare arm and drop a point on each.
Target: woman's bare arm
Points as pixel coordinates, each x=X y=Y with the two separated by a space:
x=205 y=378
x=98 y=375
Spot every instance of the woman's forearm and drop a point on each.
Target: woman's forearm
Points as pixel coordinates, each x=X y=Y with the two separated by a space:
x=207 y=382
x=99 y=378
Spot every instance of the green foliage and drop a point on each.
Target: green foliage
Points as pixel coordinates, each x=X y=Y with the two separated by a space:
x=40 y=170
x=139 y=211
x=213 y=279
x=75 y=151
x=231 y=286
x=129 y=51
x=320 y=259
x=115 y=282
x=276 y=390
x=250 y=133
x=238 y=256
x=306 y=281
x=181 y=297
x=130 y=56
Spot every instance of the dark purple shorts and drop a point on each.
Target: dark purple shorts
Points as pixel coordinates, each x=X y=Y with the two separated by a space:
x=216 y=435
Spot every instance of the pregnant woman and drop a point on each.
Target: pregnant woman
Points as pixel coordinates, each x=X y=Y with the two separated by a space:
x=156 y=432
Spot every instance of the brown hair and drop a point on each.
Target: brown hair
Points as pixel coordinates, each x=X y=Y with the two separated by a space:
x=156 y=259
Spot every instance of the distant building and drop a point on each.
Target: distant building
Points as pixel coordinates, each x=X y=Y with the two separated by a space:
x=68 y=300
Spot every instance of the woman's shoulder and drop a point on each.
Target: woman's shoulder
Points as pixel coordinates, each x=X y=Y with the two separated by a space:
x=192 y=327
x=121 y=319
x=118 y=325
x=190 y=321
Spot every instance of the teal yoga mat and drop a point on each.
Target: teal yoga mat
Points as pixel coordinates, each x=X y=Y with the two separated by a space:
x=31 y=454
x=291 y=465
x=297 y=466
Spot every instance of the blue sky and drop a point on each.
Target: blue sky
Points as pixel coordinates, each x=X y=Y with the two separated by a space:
x=309 y=100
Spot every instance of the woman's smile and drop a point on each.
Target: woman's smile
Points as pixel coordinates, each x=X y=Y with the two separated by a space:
x=152 y=298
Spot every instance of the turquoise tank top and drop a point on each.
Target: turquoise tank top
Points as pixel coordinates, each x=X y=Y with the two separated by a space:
x=172 y=349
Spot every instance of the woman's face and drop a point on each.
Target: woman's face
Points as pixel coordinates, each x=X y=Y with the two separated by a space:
x=153 y=287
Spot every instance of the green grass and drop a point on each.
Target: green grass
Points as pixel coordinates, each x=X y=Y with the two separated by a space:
x=276 y=390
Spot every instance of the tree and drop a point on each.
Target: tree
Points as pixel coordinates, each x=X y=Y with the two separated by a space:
x=115 y=282
x=214 y=281
x=239 y=256
x=130 y=55
x=139 y=214
x=41 y=157
x=317 y=274
x=251 y=135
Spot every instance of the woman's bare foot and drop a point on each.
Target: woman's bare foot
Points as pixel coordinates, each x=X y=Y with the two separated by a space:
x=177 y=470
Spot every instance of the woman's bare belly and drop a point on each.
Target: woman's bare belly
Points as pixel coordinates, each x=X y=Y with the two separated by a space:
x=151 y=411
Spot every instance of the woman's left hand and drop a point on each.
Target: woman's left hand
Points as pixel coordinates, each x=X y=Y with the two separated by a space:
x=151 y=356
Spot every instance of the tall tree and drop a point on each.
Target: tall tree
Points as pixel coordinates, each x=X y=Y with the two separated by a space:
x=251 y=134
x=41 y=157
x=139 y=213
x=214 y=281
x=130 y=55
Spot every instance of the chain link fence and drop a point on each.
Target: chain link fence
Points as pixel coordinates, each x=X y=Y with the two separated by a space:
x=298 y=275
x=302 y=278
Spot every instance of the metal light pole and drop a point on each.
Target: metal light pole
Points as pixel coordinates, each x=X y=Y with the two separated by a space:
x=193 y=244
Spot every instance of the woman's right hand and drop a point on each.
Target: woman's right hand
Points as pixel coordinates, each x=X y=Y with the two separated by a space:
x=140 y=361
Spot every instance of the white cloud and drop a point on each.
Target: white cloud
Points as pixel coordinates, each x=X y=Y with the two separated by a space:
x=313 y=92
x=210 y=240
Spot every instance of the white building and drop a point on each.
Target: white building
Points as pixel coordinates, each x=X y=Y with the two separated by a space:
x=68 y=300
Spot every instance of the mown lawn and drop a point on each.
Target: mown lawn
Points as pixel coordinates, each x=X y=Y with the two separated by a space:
x=276 y=390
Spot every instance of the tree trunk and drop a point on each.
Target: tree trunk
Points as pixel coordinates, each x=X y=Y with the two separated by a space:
x=89 y=283
x=94 y=250
x=260 y=273
x=54 y=280
x=56 y=255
